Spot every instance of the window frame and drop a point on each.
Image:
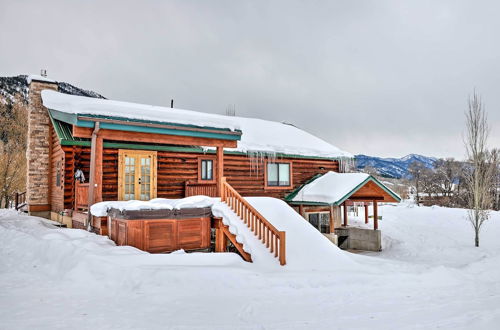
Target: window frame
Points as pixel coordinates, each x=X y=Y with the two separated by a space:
x=214 y=167
x=290 y=170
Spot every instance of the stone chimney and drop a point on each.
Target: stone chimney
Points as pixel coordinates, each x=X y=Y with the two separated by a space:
x=38 y=149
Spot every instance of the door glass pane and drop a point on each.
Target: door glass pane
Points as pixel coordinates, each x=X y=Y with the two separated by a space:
x=129 y=178
x=284 y=174
x=203 y=169
x=145 y=178
x=209 y=170
x=272 y=174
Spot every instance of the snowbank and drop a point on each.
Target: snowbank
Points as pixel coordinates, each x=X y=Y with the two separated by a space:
x=429 y=276
x=306 y=248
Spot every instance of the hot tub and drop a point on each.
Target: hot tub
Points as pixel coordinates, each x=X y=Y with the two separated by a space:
x=161 y=230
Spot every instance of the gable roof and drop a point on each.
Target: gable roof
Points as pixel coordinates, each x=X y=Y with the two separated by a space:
x=257 y=135
x=334 y=188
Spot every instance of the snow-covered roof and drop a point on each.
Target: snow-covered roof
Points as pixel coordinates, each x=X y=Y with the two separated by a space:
x=258 y=135
x=335 y=188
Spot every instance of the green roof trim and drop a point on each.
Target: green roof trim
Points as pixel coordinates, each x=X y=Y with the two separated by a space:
x=177 y=129
x=289 y=198
x=64 y=132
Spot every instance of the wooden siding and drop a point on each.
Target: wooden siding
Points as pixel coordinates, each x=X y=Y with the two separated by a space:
x=57 y=164
x=175 y=168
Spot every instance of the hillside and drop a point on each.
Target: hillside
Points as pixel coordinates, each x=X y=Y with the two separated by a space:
x=13 y=89
x=396 y=168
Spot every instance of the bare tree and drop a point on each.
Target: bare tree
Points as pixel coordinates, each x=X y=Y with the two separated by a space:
x=13 y=129
x=479 y=176
x=446 y=175
x=416 y=170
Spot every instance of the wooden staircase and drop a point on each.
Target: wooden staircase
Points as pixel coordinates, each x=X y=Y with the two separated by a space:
x=272 y=238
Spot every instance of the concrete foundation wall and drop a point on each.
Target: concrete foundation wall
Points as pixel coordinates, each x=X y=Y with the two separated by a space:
x=360 y=239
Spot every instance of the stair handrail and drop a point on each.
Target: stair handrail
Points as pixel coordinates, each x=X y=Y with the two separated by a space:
x=268 y=234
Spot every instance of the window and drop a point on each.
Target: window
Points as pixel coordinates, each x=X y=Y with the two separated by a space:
x=320 y=221
x=206 y=170
x=278 y=175
x=58 y=174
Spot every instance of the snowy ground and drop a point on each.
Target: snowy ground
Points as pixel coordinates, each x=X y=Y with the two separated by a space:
x=428 y=276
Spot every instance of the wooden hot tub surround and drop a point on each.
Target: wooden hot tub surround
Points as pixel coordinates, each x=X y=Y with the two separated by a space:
x=158 y=231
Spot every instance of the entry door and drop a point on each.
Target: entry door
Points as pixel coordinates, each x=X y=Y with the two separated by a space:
x=136 y=175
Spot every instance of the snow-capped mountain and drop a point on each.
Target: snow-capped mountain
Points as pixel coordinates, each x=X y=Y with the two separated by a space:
x=393 y=167
x=16 y=89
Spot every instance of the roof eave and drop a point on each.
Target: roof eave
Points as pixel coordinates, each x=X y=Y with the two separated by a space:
x=146 y=127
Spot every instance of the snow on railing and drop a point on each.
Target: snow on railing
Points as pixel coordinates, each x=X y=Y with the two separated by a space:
x=273 y=239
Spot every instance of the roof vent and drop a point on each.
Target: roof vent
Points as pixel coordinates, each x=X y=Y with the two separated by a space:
x=43 y=73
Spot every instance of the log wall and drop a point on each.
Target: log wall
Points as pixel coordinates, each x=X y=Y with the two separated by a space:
x=57 y=164
x=174 y=169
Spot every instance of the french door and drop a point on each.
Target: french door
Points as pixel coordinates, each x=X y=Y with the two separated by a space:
x=136 y=175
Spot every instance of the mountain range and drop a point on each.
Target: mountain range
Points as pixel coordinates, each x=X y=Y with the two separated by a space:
x=16 y=88
x=392 y=167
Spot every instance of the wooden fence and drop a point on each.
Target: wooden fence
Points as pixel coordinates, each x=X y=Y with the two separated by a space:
x=196 y=188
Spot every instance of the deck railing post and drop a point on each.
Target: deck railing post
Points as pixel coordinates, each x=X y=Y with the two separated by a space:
x=282 y=251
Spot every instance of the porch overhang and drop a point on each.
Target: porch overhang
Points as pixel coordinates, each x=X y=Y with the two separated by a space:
x=124 y=129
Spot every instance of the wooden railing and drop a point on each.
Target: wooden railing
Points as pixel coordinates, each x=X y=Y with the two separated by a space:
x=81 y=196
x=19 y=200
x=195 y=188
x=263 y=229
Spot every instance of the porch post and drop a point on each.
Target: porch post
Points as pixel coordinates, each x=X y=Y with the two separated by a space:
x=95 y=177
x=375 y=215
x=220 y=169
x=345 y=214
x=98 y=169
x=366 y=212
x=332 y=222
x=220 y=238
x=301 y=211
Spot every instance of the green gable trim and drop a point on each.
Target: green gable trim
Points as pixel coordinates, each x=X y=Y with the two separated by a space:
x=216 y=133
x=290 y=197
x=377 y=182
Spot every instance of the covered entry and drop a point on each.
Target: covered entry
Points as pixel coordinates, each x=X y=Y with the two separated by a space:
x=328 y=196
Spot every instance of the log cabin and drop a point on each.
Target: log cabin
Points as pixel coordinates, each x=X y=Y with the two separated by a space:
x=125 y=151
